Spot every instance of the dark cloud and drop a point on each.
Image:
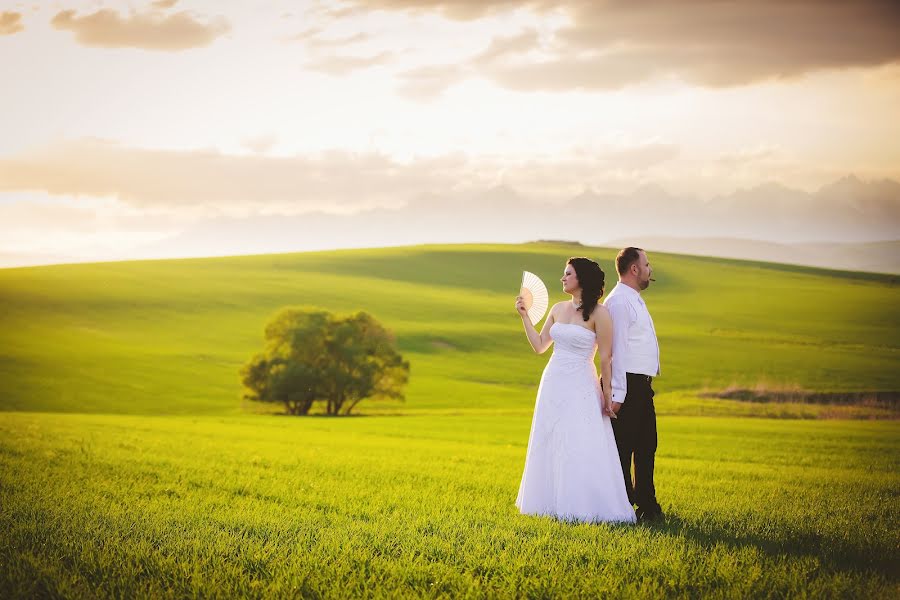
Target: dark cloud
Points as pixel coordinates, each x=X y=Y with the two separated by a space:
x=10 y=23
x=731 y=43
x=613 y=43
x=153 y=30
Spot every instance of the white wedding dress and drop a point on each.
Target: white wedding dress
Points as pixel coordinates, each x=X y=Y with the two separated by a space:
x=572 y=469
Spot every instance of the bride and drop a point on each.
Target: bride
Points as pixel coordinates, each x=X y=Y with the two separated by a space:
x=572 y=468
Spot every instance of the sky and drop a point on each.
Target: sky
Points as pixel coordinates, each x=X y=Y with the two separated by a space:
x=181 y=127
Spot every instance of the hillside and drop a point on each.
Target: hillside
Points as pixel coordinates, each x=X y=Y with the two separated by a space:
x=168 y=336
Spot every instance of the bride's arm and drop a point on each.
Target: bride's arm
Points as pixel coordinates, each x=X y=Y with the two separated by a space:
x=603 y=327
x=539 y=341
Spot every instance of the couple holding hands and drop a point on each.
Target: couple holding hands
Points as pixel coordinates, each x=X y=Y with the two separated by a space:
x=585 y=434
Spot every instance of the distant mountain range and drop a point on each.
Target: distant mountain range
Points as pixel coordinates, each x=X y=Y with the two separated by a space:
x=849 y=224
x=876 y=257
x=848 y=210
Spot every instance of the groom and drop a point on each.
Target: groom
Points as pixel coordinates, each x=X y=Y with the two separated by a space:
x=635 y=361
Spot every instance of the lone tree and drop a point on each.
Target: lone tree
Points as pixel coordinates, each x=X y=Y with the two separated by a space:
x=314 y=356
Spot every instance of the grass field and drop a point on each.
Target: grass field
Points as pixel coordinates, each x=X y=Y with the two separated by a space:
x=129 y=467
x=168 y=337
x=129 y=506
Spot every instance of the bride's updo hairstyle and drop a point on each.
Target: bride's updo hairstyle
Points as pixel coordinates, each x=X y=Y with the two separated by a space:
x=592 y=280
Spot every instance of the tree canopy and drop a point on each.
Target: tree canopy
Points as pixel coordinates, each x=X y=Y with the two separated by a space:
x=314 y=356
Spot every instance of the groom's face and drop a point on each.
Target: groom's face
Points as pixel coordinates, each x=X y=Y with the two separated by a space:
x=645 y=271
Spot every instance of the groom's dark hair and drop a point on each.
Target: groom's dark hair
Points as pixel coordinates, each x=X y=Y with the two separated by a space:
x=627 y=257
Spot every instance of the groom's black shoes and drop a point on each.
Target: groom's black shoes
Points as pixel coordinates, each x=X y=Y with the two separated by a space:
x=649 y=515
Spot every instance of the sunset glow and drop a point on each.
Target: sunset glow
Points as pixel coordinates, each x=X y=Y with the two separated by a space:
x=125 y=125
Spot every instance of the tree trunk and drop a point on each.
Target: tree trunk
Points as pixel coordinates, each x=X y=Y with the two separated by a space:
x=351 y=405
x=298 y=407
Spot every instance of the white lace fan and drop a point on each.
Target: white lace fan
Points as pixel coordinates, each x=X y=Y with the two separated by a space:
x=536 y=297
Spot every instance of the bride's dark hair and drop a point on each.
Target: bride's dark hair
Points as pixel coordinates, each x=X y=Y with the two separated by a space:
x=592 y=280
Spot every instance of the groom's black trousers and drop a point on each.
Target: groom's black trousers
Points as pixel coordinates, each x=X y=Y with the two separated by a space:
x=635 y=431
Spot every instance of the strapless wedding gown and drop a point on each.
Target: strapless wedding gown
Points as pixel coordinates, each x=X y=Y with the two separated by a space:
x=572 y=468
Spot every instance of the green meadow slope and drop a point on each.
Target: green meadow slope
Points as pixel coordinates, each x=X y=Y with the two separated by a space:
x=168 y=337
x=189 y=495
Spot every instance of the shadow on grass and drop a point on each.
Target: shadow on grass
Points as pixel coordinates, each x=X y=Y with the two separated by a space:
x=337 y=417
x=833 y=554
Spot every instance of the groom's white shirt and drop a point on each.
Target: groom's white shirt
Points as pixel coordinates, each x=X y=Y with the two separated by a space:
x=634 y=347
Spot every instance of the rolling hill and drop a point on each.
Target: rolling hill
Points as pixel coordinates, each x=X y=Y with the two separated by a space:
x=168 y=336
x=192 y=494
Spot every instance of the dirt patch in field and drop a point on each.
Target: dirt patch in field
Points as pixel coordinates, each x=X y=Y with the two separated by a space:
x=442 y=345
x=889 y=400
x=796 y=403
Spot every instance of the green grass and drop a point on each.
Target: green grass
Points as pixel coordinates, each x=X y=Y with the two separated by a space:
x=168 y=337
x=129 y=467
x=262 y=506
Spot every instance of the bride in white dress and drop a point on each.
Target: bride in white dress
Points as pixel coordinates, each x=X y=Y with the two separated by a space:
x=572 y=469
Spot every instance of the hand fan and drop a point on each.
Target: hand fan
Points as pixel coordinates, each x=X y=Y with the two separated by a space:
x=535 y=294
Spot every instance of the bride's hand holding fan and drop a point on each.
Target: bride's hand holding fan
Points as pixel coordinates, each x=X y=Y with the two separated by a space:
x=531 y=304
x=521 y=307
x=533 y=298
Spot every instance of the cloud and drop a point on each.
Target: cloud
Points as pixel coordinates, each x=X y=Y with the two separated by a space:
x=643 y=156
x=37 y=229
x=100 y=198
x=464 y=10
x=501 y=47
x=747 y=156
x=428 y=82
x=45 y=216
x=725 y=43
x=314 y=42
x=594 y=73
x=305 y=35
x=325 y=58
x=339 y=65
x=153 y=30
x=207 y=180
x=260 y=143
x=615 y=43
x=10 y=23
